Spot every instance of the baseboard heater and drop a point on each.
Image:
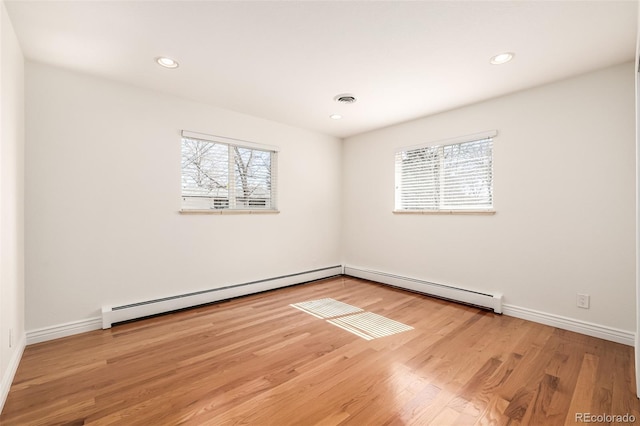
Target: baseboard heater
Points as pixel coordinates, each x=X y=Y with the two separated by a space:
x=475 y=298
x=115 y=314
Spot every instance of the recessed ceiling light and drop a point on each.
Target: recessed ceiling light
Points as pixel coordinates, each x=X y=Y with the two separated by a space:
x=502 y=58
x=335 y=116
x=167 y=62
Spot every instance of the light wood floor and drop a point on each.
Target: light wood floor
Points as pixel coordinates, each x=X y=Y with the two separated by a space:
x=258 y=361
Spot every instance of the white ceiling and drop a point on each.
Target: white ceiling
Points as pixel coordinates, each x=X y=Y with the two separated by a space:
x=286 y=60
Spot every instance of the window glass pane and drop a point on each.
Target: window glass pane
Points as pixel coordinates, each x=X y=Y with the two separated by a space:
x=253 y=177
x=218 y=175
x=467 y=175
x=420 y=178
x=446 y=177
x=205 y=172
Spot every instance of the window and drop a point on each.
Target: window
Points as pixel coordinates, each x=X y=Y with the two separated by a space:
x=221 y=174
x=456 y=175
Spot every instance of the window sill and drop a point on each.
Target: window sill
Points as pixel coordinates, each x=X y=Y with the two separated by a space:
x=480 y=212
x=228 y=211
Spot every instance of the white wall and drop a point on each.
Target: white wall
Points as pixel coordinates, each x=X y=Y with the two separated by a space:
x=564 y=164
x=11 y=203
x=103 y=194
x=637 y=112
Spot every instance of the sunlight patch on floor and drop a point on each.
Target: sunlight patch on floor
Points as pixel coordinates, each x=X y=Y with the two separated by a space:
x=355 y=320
x=370 y=324
x=326 y=308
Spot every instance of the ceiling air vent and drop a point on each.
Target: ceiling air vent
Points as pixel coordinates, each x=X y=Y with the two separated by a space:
x=345 y=98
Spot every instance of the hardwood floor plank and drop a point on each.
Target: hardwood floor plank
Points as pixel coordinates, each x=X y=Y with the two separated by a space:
x=538 y=410
x=623 y=400
x=479 y=379
x=583 y=392
x=256 y=360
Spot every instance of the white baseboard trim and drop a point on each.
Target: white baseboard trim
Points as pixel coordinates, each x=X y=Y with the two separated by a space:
x=141 y=309
x=590 y=329
x=90 y=324
x=494 y=302
x=7 y=377
x=63 y=330
x=471 y=297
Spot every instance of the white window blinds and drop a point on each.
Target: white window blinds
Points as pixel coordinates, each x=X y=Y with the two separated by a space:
x=453 y=176
x=222 y=173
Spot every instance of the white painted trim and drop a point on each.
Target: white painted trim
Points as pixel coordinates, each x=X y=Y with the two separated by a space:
x=491 y=301
x=637 y=125
x=114 y=314
x=90 y=324
x=12 y=368
x=590 y=329
x=450 y=141
x=474 y=211
x=229 y=141
x=63 y=330
x=228 y=211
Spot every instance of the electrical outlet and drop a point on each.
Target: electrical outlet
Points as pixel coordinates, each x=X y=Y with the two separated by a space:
x=583 y=301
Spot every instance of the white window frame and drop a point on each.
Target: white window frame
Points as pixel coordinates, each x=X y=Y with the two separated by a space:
x=208 y=207
x=443 y=208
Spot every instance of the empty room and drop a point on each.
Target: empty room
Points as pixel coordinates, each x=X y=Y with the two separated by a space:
x=318 y=212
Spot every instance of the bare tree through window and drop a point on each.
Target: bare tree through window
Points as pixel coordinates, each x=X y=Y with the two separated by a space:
x=223 y=176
